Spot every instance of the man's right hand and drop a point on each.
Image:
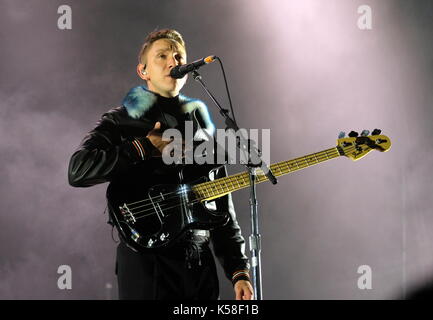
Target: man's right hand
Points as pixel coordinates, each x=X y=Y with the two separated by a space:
x=155 y=137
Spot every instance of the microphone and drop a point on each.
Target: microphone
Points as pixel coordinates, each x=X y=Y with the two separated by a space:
x=180 y=71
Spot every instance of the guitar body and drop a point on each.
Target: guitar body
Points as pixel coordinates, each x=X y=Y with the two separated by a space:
x=151 y=216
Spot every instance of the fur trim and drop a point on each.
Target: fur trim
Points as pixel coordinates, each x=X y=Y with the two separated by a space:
x=139 y=101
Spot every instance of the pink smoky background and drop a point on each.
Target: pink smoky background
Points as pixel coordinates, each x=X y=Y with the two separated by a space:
x=303 y=69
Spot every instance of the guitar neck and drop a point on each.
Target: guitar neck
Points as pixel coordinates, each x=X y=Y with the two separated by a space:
x=219 y=187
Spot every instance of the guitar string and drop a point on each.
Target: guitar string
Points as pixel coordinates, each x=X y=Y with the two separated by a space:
x=175 y=193
x=194 y=201
x=323 y=157
x=152 y=212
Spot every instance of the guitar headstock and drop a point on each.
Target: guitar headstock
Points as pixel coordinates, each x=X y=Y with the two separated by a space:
x=355 y=147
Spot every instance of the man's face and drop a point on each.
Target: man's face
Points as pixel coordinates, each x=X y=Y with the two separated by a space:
x=162 y=56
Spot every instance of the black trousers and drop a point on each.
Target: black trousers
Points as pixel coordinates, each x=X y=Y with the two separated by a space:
x=166 y=275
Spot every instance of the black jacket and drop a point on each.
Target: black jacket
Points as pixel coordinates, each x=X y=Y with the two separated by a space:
x=106 y=154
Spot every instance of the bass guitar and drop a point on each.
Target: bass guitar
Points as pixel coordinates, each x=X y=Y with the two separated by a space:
x=153 y=216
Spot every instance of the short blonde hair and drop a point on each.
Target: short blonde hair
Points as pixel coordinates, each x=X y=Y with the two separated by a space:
x=169 y=34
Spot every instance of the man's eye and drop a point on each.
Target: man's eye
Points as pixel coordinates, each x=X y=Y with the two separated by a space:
x=162 y=55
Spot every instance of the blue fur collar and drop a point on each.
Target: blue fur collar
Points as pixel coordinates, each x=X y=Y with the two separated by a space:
x=139 y=100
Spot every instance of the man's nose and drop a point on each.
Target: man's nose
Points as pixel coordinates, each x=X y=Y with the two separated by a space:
x=173 y=62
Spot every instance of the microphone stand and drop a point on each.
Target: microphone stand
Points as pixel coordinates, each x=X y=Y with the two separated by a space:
x=255 y=237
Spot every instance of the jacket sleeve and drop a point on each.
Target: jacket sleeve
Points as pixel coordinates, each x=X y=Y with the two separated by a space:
x=227 y=240
x=102 y=154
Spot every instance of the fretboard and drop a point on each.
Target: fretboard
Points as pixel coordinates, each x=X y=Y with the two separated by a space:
x=222 y=186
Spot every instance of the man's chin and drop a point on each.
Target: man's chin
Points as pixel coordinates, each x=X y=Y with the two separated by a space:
x=176 y=88
x=171 y=92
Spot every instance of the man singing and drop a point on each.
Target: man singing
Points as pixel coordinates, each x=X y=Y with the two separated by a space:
x=125 y=147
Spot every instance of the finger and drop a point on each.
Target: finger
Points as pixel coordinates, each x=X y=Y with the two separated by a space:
x=247 y=296
x=157 y=125
x=238 y=295
x=248 y=292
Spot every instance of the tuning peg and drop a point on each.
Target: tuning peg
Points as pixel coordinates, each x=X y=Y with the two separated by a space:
x=341 y=135
x=365 y=133
x=353 y=134
x=376 y=132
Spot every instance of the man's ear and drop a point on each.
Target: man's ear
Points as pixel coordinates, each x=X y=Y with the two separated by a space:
x=141 y=72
